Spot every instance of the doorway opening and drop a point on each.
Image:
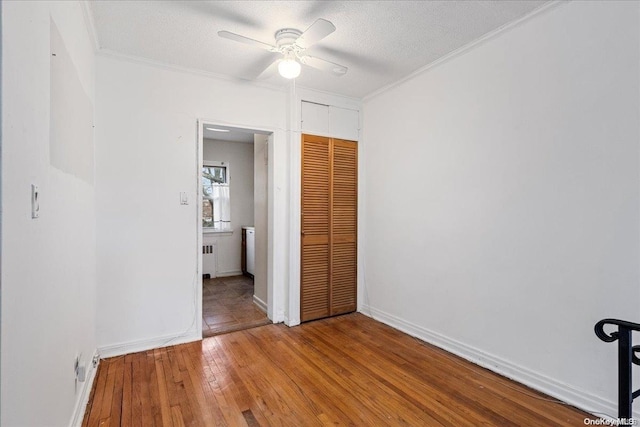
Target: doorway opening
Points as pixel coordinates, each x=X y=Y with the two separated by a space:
x=233 y=209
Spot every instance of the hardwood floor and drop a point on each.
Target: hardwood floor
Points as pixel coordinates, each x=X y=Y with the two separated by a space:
x=227 y=305
x=347 y=370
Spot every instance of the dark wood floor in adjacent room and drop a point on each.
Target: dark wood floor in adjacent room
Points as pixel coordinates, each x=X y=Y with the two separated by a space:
x=227 y=305
x=347 y=370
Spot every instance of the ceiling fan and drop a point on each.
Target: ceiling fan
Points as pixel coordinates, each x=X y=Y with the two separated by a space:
x=292 y=44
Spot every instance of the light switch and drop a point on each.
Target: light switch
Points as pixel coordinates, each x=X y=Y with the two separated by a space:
x=184 y=199
x=35 y=202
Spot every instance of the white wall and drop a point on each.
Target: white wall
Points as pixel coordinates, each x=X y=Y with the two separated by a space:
x=239 y=156
x=502 y=195
x=147 y=242
x=48 y=263
x=260 y=194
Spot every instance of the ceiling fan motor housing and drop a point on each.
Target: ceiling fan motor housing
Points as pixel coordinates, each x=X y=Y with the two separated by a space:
x=286 y=38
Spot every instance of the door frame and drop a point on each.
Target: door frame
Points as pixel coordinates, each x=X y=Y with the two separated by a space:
x=296 y=96
x=275 y=253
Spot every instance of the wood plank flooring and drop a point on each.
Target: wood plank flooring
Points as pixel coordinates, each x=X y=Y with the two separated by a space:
x=347 y=370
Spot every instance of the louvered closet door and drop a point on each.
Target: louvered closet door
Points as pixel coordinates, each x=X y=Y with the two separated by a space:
x=344 y=200
x=314 y=285
x=328 y=225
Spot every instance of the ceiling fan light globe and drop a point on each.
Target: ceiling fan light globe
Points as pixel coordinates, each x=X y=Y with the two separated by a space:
x=289 y=68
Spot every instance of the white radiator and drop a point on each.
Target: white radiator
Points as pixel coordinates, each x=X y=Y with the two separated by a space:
x=209 y=260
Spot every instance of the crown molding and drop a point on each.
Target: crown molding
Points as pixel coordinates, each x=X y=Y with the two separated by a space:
x=107 y=53
x=468 y=47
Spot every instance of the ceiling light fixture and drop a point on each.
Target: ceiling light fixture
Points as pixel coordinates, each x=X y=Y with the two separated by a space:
x=289 y=68
x=218 y=130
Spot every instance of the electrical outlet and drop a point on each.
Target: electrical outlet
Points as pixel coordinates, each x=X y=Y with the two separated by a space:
x=79 y=369
x=81 y=375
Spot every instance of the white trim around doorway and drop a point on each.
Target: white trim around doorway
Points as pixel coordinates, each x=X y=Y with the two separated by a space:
x=276 y=223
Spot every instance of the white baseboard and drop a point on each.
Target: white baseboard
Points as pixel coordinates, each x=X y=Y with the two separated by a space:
x=143 y=345
x=579 y=398
x=291 y=321
x=279 y=317
x=81 y=404
x=228 y=273
x=261 y=304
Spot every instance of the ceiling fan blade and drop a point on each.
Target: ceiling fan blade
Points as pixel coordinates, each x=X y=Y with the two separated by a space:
x=247 y=40
x=324 y=65
x=316 y=32
x=271 y=70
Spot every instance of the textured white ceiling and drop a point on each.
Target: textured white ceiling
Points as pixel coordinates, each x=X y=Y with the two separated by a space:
x=379 y=41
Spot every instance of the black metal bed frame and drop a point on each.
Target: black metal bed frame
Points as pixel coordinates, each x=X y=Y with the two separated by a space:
x=626 y=359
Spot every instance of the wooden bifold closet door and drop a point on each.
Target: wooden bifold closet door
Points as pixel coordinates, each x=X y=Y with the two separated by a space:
x=328 y=227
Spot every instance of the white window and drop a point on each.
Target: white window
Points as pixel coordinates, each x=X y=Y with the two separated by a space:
x=216 y=210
